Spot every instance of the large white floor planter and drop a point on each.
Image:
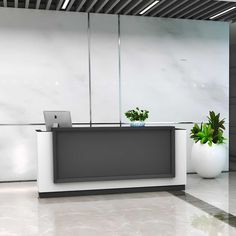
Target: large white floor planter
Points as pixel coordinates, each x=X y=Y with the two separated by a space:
x=208 y=161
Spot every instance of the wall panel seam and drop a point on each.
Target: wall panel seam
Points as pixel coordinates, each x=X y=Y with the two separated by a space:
x=90 y=79
x=119 y=54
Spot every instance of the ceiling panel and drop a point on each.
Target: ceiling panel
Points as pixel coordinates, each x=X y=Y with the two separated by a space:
x=184 y=9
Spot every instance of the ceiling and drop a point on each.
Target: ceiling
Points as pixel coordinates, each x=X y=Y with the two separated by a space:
x=184 y=9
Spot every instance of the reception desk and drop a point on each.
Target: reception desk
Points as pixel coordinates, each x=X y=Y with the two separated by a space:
x=82 y=161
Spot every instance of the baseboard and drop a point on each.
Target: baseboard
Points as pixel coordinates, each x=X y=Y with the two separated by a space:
x=111 y=191
x=17 y=181
x=194 y=173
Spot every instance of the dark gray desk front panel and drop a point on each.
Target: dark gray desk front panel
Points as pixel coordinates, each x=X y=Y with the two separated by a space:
x=93 y=154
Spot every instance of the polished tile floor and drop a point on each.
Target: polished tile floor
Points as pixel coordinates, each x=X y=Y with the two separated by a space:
x=202 y=210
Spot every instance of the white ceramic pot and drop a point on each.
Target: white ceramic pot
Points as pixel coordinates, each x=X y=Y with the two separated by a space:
x=137 y=124
x=208 y=161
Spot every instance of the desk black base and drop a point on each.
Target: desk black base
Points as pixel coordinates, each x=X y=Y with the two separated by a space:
x=111 y=191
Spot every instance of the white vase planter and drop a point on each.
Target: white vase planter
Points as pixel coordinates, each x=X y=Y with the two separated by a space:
x=208 y=161
x=137 y=124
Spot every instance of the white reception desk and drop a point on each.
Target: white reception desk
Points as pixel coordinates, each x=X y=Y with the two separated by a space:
x=49 y=168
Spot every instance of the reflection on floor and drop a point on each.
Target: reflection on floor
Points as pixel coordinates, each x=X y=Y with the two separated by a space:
x=143 y=214
x=213 y=191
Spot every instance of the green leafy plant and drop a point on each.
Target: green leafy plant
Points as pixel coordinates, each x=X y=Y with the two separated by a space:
x=137 y=114
x=211 y=132
x=218 y=127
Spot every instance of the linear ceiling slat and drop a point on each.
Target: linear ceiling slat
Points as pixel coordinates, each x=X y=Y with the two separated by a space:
x=216 y=12
x=228 y=18
x=212 y=4
x=59 y=5
x=99 y=5
x=186 y=9
x=172 y=9
x=70 y=5
x=110 y=5
x=210 y=12
x=141 y=6
x=131 y=6
x=38 y=4
x=158 y=10
x=90 y=5
x=226 y=15
x=27 y=3
x=80 y=5
x=121 y=5
x=194 y=8
x=187 y=5
x=152 y=9
x=48 y=4
x=158 y=6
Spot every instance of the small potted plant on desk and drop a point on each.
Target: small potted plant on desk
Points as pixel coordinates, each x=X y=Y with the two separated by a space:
x=137 y=117
x=208 y=151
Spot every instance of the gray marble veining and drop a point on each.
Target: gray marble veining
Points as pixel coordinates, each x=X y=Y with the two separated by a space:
x=141 y=214
x=177 y=68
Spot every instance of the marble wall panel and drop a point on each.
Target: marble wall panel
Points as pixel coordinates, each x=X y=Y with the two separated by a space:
x=104 y=53
x=177 y=69
x=44 y=65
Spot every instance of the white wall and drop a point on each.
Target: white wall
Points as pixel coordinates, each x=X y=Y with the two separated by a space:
x=104 y=68
x=44 y=66
x=177 y=69
x=44 y=61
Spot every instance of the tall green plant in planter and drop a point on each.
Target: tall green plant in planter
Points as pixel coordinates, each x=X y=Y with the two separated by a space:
x=211 y=132
x=209 y=160
x=218 y=127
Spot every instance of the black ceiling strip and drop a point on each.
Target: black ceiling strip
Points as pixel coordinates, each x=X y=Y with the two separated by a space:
x=10 y=4
x=210 y=12
x=54 y=4
x=211 y=4
x=186 y=9
x=227 y=15
x=70 y=5
x=48 y=4
x=199 y=5
x=131 y=6
x=219 y=11
x=178 y=11
x=233 y=20
x=90 y=5
x=59 y=4
x=110 y=5
x=120 y=6
x=99 y=5
x=141 y=7
x=158 y=5
x=80 y=5
x=172 y=9
x=158 y=10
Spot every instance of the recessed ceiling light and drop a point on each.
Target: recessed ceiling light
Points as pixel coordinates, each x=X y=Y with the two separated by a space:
x=65 y=4
x=149 y=7
x=221 y=13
